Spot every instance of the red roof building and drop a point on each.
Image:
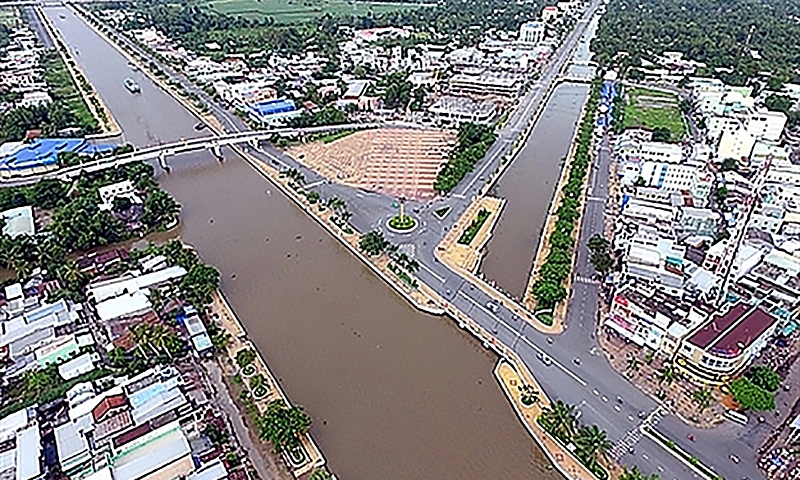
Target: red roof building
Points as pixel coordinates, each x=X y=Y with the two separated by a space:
x=725 y=345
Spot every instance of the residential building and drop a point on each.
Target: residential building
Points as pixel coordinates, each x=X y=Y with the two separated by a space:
x=486 y=84
x=111 y=192
x=450 y=110
x=724 y=346
x=649 y=317
x=531 y=32
x=18 y=221
x=699 y=221
x=737 y=144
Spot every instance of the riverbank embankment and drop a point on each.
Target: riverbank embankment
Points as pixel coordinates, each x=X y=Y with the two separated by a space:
x=99 y=110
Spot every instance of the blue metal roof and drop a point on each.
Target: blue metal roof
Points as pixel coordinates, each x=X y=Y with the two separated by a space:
x=44 y=152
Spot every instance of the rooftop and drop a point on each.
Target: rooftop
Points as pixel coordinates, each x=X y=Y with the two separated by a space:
x=730 y=334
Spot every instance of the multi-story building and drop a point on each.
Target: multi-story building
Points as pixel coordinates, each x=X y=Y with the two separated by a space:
x=486 y=84
x=531 y=32
x=649 y=317
x=725 y=345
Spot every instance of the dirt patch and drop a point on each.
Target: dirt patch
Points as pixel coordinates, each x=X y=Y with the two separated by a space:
x=396 y=161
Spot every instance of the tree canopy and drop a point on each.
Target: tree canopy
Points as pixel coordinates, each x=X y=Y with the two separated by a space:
x=745 y=37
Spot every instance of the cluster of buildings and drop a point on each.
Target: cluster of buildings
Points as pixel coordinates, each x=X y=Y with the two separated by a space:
x=21 y=72
x=462 y=84
x=709 y=238
x=150 y=425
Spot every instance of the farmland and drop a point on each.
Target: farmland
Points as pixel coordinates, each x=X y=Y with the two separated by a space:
x=294 y=11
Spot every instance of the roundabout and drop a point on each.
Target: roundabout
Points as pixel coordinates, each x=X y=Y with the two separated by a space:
x=402 y=224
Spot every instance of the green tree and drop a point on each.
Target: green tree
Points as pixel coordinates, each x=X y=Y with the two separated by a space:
x=597 y=243
x=666 y=374
x=548 y=293
x=372 y=243
x=591 y=442
x=160 y=208
x=764 y=377
x=750 y=396
x=636 y=474
x=198 y=284
x=559 y=420
x=283 y=425
x=49 y=193
x=245 y=357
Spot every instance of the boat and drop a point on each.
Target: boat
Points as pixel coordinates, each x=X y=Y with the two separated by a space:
x=132 y=86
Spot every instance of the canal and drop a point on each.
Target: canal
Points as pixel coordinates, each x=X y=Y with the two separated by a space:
x=529 y=183
x=393 y=393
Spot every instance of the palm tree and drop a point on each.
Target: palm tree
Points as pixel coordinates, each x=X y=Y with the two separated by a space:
x=633 y=364
x=636 y=474
x=560 y=420
x=529 y=395
x=666 y=374
x=592 y=441
x=702 y=398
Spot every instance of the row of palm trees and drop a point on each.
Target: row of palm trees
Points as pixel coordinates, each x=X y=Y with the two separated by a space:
x=591 y=442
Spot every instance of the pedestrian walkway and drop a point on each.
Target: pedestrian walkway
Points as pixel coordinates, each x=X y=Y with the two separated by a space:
x=511 y=382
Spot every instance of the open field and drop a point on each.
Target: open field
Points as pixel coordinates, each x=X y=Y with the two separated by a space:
x=652 y=109
x=395 y=161
x=293 y=11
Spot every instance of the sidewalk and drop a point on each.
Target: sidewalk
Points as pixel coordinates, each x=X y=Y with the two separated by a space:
x=510 y=381
x=629 y=361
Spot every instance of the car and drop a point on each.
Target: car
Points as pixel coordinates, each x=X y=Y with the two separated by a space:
x=492 y=306
x=545 y=359
x=734 y=459
x=200 y=126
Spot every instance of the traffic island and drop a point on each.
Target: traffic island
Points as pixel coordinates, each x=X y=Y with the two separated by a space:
x=462 y=247
x=402 y=224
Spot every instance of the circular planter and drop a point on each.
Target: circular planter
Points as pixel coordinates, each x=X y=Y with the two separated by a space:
x=396 y=225
x=249 y=370
x=260 y=392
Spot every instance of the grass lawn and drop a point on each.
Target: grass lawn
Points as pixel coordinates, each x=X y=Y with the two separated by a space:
x=63 y=87
x=293 y=11
x=651 y=109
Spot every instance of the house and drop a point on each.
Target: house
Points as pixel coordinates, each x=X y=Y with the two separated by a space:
x=125 y=305
x=649 y=317
x=139 y=429
x=18 y=221
x=110 y=193
x=21 y=450
x=724 y=346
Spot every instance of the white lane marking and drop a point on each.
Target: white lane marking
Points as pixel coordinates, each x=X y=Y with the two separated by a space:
x=524 y=339
x=425 y=267
x=317 y=183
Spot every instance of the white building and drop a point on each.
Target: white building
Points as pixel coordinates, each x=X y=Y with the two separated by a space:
x=18 y=221
x=122 y=189
x=531 y=32
x=737 y=144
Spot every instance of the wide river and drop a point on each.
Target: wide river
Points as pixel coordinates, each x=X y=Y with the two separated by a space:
x=393 y=393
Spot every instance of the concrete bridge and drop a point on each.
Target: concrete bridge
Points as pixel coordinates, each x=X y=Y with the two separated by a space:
x=212 y=144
